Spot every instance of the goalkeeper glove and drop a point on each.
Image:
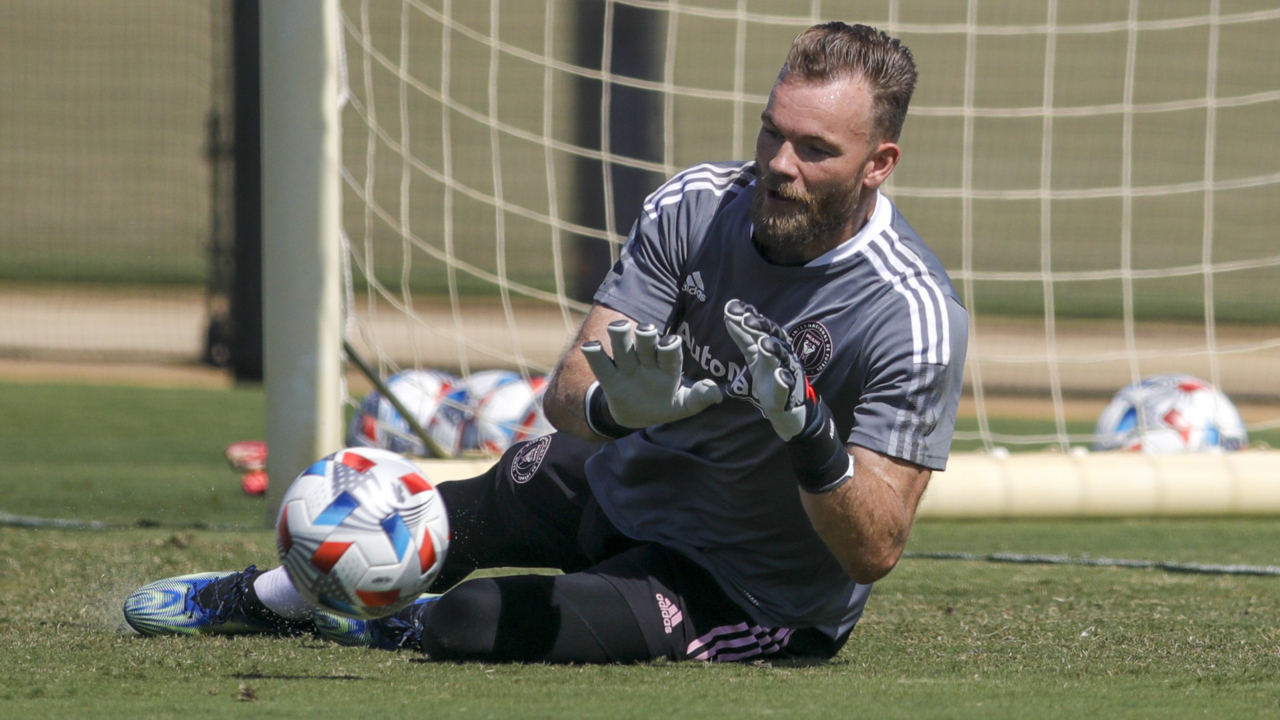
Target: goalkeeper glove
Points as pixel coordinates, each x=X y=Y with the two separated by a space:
x=643 y=384
x=787 y=400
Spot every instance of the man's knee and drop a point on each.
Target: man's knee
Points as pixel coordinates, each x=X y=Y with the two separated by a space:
x=462 y=622
x=495 y=620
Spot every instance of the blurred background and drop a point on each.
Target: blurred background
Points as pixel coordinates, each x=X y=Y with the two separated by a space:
x=1101 y=179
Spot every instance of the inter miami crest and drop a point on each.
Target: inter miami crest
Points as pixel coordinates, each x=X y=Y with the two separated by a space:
x=812 y=345
x=529 y=458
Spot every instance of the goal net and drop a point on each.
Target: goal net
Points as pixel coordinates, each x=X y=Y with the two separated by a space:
x=1099 y=178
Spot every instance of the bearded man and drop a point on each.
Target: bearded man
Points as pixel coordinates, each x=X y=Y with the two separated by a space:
x=747 y=417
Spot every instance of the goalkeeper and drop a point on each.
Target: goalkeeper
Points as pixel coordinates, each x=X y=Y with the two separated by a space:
x=748 y=416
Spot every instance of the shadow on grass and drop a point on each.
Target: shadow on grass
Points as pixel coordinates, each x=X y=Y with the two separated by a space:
x=766 y=664
x=272 y=676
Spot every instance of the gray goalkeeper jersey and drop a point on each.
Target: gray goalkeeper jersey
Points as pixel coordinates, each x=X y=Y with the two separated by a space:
x=881 y=334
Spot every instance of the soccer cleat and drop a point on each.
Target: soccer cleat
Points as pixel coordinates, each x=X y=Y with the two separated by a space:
x=402 y=629
x=205 y=603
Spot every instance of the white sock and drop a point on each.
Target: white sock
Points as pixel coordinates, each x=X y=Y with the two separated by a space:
x=276 y=591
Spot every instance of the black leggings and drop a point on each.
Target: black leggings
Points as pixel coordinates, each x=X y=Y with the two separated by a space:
x=495 y=522
x=619 y=600
x=575 y=618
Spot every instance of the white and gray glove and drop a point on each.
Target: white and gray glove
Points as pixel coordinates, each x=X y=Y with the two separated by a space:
x=778 y=382
x=782 y=390
x=643 y=383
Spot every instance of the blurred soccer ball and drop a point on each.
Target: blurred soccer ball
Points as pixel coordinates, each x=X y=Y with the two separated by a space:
x=439 y=402
x=362 y=532
x=508 y=409
x=1164 y=414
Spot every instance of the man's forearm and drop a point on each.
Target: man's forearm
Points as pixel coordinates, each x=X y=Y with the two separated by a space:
x=566 y=395
x=566 y=391
x=865 y=522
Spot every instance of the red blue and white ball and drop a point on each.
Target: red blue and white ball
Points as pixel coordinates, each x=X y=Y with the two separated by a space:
x=1172 y=413
x=362 y=533
x=439 y=403
x=507 y=409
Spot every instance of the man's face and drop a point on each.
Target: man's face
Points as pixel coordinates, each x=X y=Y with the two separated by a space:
x=813 y=151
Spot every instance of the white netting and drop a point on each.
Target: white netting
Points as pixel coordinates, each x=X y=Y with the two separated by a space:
x=1099 y=177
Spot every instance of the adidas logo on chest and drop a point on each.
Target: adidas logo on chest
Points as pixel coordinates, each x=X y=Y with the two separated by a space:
x=693 y=285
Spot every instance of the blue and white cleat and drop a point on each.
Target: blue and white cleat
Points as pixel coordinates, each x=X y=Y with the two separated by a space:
x=205 y=603
x=402 y=630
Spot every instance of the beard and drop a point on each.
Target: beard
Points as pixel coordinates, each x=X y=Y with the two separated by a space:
x=810 y=222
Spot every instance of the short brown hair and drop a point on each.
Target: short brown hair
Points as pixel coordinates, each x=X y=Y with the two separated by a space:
x=835 y=50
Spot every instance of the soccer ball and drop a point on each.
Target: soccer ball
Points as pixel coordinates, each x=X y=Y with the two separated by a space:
x=1164 y=414
x=362 y=533
x=508 y=409
x=439 y=402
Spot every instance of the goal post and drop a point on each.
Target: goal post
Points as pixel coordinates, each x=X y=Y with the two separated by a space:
x=1099 y=179
x=302 y=323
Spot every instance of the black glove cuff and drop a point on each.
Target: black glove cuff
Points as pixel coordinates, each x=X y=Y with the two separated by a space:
x=598 y=417
x=818 y=456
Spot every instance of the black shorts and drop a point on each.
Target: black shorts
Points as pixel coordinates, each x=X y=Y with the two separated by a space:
x=620 y=600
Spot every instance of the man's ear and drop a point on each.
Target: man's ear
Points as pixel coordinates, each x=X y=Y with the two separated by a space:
x=881 y=164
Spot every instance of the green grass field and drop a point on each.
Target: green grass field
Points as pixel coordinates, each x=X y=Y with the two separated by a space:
x=939 y=638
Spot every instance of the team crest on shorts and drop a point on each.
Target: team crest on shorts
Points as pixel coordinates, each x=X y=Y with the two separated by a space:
x=812 y=345
x=529 y=458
